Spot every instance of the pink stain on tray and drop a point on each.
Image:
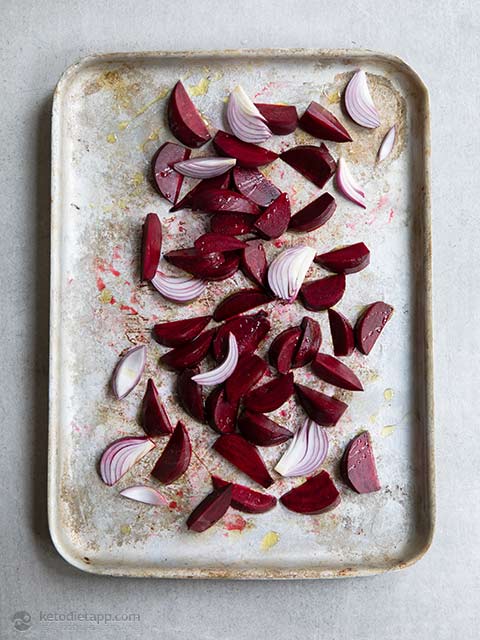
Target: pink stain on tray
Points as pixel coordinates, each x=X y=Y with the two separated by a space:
x=131 y=310
x=235 y=523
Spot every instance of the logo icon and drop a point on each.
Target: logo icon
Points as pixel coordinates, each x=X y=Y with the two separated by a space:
x=22 y=620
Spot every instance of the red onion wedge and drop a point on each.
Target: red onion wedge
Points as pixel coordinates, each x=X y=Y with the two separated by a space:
x=288 y=270
x=306 y=452
x=204 y=167
x=128 y=371
x=348 y=185
x=359 y=103
x=317 y=495
x=175 y=458
x=387 y=144
x=147 y=495
x=121 y=455
x=178 y=288
x=245 y=120
x=223 y=371
x=155 y=420
x=151 y=245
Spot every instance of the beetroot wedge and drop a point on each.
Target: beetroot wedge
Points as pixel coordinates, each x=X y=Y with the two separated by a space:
x=214 y=266
x=232 y=224
x=370 y=325
x=175 y=458
x=217 y=242
x=275 y=219
x=210 y=509
x=221 y=414
x=322 y=409
x=245 y=499
x=314 y=215
x=155 y=420
x=151 y=246
x=309 y=343
x=190 y=354
x=260 y=430
x=184 y=120
x=249 y=370
x=342 y=333
x=247 y=154
x=244 y=456
x=190 y=394
x=349 y=259
x=254 y=262
x=358 y=465
x=252 y=184
x=248 y=330
x=280 y=352
x=167 y=181
x=334 y=372
x=189 y=200
x=315 y=163
x=223 y=201
x=282 y=119
x=173 y=334
x=323 y=293
x=270 y=396
x=317 y=495
x=319 y=122
x=240 y=302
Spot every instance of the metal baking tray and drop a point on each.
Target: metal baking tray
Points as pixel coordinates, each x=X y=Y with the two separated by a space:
x=108 y=119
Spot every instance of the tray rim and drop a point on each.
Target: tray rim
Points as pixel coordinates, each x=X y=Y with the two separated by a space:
x=263 y=573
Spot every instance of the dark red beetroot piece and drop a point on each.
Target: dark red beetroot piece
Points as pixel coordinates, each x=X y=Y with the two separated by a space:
x=219 y=182
x=309 y=343
x=282 y=119
x=240 y=302
x=247 y=154
x=211 y=509
x=167 y=181
x=262 y=431
x=217 y=242
x=173 y=334
x=322 y=409
x=189 y=355
x=370 y=325
x=245 y=499
x=223 y=201
x=314 y=215
x=333 y=371
x=244 y=456
x=349 y=259
x=254 y=262
x=358 y=465
x=323 y=293
x=274 y=220
x=249 y=370
x=270 y=396
x=315 y=163
x=214 y=266
x=248 y=330
x=175 y=458
x=221 y=414
x=155 y=421
x=231 y=224
x=184 y=120
x=280 y=352
x=319 y=122
x=342 y=333
x=252 y=184
x=151 y=245
x=317 y=495
x=190 y=394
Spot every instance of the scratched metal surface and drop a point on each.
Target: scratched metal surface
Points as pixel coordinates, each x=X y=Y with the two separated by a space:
x=109 y=118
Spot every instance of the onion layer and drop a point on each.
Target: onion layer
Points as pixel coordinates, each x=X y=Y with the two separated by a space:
x=225 y=370
x=306 y=452
x=387 y=144
x=288 y=270
x=245 y=120
x=178 y=288
x=121 y=455
x=348 y=185
x=142 y=493
x=204 y=167
x=359 y=103
x=128 y=371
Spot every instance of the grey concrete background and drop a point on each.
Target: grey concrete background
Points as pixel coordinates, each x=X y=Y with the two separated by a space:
x=438 y=597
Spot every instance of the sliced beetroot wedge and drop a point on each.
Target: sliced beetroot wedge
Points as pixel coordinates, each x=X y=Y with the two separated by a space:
x=221 y=414
x=167 y=181
x=232 y=224
x=249 y=370
x=317 y=495
x=217 y=242
x=319 y=122
x=247 y=154
x=185 y=122
x=323 y=293
x=175 y=458
x=151 y=245
x=342 y=333
x=248 y=330
x=280 y=352
x=322 y=409
x=245 y=499
x=187 y=202
x=190 y=394
x=173 y=334
x=275 y=219
x=315 y=163
x=349 y=259
x=214 y=266
x=245 y=457
x=254 y=262
x=240 y=302
x=358 y=465
x=309 y=343
x=155 y=420
x=223 y=201
x=270 y=396
x=190 y=354
x=334 y=372
x=225 y=270
x=314 y=215
x=252 y=184
x=370 y=325
x=262 y=431
x=210 y=509
x=282 y=119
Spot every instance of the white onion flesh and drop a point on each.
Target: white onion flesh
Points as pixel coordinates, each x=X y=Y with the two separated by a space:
x=348 y=185
x=178 y=288
x=359 y=103
x=387 y=144
x=147 y=495
x=128 y=371
x=307 y=451
x=223 y=371
x=204 y=167
x=121 y=455
x=245 y=120
x=287 y=271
